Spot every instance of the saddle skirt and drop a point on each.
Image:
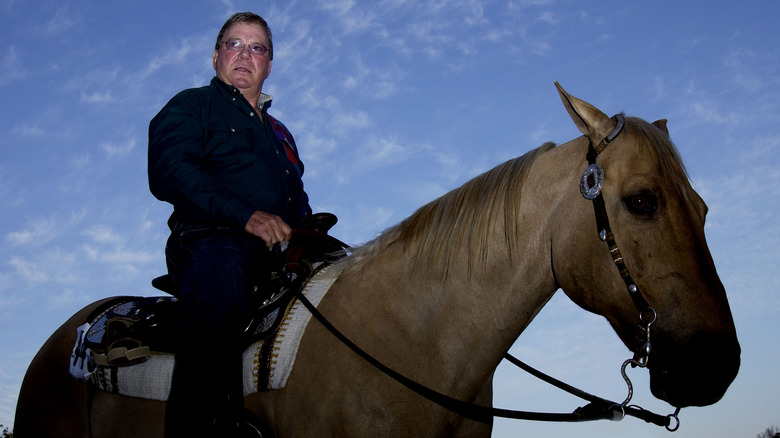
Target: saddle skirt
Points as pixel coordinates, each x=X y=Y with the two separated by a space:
x=144 y=371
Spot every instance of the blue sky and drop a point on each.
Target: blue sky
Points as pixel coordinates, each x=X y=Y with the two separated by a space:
x=392 y=104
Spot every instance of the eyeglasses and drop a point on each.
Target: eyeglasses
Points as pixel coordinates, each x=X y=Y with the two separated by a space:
x=238 y=46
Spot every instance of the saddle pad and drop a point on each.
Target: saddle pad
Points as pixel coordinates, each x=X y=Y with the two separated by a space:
x=284 y=344
x=267 y=364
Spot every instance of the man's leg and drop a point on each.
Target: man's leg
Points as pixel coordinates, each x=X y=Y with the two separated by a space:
x=207 y=373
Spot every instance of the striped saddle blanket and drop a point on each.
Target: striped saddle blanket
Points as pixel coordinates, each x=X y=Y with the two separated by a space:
x=144 y=371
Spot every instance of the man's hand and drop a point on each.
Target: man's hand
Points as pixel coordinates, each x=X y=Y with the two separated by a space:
x=269 y=227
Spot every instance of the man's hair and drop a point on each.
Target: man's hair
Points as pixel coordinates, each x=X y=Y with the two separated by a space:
x=246 y=18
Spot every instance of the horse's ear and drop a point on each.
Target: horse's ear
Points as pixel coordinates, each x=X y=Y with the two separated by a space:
x=661 y=124
x=589 y=120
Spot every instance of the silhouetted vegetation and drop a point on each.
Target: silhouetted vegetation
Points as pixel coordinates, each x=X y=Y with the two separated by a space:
x=770 y=432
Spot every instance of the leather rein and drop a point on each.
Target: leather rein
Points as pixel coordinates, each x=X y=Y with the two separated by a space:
x=598 y=408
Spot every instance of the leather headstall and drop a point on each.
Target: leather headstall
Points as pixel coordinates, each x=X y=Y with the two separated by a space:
x=591 y=189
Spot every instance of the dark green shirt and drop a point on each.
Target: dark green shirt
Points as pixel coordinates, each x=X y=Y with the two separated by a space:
x=217 y=161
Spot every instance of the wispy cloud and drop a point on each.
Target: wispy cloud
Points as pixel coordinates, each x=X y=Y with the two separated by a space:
x=41 y=231
x=375 y=82
x=709 y=112
x=11 y=68
x=5 y=284
x=8 y=393
x=27 y=130
x=181 y=54
x=750 y=70
x=118 y=255
x=113 y=149
x=53 y=265
x=351 y=121
x=62 y=21
x=87 y=84
x=97 y=97
x=61 y=266
x=548 y=17
x=379 y=151
x=103 y=234
x=357 y=228
x=352 y=19
x=763 y=149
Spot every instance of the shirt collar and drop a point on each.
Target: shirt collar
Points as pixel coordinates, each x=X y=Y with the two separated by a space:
x=263 y=102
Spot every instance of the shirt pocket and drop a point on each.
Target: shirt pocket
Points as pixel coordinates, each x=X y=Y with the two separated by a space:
x=228 y=140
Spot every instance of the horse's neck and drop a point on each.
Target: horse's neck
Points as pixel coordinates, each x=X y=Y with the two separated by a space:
x=451 y=330
x=450 y=325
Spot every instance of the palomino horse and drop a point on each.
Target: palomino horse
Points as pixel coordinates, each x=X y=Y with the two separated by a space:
x=443 y=295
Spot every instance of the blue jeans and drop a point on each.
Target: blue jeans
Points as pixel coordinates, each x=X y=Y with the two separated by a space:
x=213 y=269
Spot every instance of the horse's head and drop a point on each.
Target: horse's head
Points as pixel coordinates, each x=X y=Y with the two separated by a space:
x=657 y=220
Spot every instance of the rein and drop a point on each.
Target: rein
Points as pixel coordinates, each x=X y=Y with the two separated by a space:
x=598 y=408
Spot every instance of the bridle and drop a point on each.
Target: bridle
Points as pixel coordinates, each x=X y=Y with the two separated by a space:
x=598 y=408
x=590 y=186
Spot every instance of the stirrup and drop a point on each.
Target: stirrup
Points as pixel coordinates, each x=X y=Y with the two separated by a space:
x=242 y=424
x=249 y=430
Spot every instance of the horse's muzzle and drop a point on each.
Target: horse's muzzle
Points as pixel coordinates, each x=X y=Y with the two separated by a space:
x=696 y=374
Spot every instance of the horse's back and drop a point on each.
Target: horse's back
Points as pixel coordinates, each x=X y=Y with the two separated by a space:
x=51 y=402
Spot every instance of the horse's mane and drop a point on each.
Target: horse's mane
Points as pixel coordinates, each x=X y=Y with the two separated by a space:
x=661 y=148
x=464 y=216
x=467 y=215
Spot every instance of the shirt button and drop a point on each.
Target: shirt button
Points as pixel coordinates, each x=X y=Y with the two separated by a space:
x=287 y=171
x=252 y=114
x=232 y=129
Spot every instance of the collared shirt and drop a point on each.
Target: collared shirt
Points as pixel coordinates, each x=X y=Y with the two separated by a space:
x=217 y=160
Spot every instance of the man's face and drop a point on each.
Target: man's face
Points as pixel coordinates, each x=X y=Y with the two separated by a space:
x=243 y=70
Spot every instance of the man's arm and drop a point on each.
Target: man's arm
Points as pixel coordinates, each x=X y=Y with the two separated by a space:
x=175 y=169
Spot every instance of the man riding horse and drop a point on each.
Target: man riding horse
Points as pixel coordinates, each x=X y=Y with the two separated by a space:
x=233 y=175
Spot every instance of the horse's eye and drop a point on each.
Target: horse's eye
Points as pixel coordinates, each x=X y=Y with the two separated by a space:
x=644 y=204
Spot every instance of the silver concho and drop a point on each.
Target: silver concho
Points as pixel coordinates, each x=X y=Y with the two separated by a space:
x=592 y=180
